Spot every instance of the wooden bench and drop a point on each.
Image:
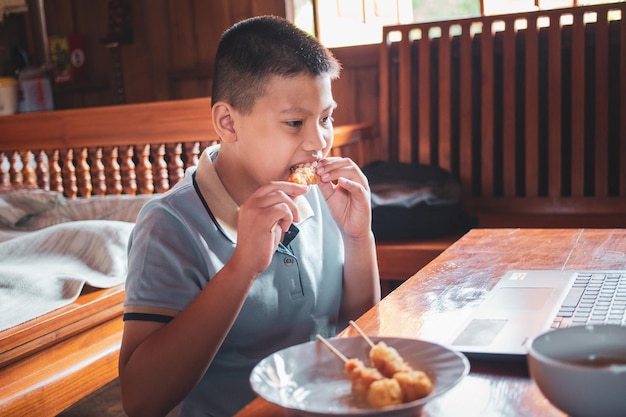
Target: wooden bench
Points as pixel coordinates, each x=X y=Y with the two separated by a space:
x=51 y=362
x=528 y=110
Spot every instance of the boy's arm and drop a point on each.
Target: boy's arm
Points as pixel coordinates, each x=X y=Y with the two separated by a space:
x=361 y=278
x=159 y=364
x=347 y=193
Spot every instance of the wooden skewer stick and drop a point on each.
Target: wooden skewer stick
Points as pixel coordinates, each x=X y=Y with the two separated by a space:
x=332 y=349
x=362 y=333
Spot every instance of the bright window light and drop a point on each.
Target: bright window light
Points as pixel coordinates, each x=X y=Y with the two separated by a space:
x=339 y=23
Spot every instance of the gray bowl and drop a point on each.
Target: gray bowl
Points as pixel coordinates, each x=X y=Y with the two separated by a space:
x=582 y=370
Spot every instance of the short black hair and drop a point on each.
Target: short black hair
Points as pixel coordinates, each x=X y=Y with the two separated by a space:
x=256 y=49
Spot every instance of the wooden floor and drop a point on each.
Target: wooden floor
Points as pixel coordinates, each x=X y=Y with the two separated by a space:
x=103 y=403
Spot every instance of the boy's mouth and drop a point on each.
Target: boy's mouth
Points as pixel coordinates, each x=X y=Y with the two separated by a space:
x=306 y=165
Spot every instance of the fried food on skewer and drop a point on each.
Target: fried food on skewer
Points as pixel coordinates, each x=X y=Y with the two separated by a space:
x=384 y=392
x=387 y=360
x=414 y=384
x=367 y=384
x=390 y=381
x=361 y=377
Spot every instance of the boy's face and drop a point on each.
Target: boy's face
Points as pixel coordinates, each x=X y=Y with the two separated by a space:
x=291 y=124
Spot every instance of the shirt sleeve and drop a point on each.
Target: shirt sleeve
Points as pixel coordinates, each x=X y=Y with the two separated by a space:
x=166 y=269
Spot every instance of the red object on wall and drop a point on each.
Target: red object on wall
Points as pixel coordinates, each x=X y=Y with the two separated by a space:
x=68 y=58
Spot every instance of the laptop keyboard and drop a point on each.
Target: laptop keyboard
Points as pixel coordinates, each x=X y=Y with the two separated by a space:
x=595 y=298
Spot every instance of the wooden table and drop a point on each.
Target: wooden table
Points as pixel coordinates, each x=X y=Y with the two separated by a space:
x=441 y=294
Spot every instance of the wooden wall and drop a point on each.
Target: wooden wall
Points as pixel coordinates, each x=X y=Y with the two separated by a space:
x=172 y=51
x=529 y=113
x=357 y=90
x=171 y=55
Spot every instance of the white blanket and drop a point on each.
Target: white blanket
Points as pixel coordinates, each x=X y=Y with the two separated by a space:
x=50 y=248
x=47 y=269
x=35 y=209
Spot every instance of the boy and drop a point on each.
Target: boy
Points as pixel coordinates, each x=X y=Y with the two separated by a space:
x=235 y=263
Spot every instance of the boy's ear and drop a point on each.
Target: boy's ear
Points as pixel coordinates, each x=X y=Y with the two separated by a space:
x=223 y=122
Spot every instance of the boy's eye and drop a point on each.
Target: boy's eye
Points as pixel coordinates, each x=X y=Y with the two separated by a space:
x=327 y=120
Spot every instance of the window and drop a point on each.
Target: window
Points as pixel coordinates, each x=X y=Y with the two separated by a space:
x=356 y=22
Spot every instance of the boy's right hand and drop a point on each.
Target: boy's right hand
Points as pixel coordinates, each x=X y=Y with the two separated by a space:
x=262 y=220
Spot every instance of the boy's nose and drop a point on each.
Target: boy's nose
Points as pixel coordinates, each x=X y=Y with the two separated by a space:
x=317 y=140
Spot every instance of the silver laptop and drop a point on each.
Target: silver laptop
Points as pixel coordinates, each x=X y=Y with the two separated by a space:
x=525 y=303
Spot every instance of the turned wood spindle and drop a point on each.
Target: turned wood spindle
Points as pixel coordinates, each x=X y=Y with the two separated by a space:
x=192 y=152
x=29 y=177
x=145 y=184
x=15 y=173
x=41 y=171
x=175 y=166
x=5 y=179
x=98 y=177
x=68 y=171
x=112 y=170
x=129 y=176
x=54 y=168
x=159 y=169
x=83 y=174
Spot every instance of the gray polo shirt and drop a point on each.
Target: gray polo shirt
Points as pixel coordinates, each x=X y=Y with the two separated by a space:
x=185 y=236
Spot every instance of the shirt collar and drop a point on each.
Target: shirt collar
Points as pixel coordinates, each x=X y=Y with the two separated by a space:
x=223 y=207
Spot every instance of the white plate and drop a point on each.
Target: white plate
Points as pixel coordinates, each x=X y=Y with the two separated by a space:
x=309 y=379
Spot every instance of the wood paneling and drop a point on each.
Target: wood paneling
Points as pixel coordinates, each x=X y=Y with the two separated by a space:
x=527 y=117
x=174 y=44
x=356 y=90
x=171 y=55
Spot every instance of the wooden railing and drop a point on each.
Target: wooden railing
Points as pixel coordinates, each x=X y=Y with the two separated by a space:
x=128 y=149
x=113 y=170
x=528 y=110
